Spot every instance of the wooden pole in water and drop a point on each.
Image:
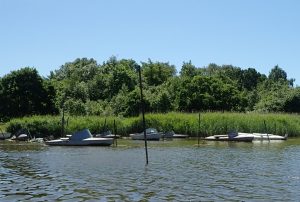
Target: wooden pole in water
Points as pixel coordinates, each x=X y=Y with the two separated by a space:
x=115 y=132
x=199 y=130
x=143 y=114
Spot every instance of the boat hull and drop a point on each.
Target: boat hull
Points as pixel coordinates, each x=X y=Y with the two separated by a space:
x=150 y=137
x=4 y=136
x=264 y=136
x=81 y=138
x=86 y=142
x=239 y=138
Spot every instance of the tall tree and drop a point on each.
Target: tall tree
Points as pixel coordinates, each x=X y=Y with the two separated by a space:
x=157 y=73
x=188 y=69
x=24 y=92
x=277 y=74
x=251 y=78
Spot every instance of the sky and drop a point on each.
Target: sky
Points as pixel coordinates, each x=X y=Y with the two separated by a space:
x=46 y=34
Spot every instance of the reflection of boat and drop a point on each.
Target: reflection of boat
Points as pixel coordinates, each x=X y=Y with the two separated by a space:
x=151 y=134
x=81 y=138
x=107 y=134
x=231 y=137
x=265 y=136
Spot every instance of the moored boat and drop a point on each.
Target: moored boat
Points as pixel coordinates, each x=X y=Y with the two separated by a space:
x=21 y=137
x=4 y=135
x=168 y=134
x=81 y=138
x=172 y=134
x=266 y=136
x=151 y=134
x=107 y=134
x=231 y=137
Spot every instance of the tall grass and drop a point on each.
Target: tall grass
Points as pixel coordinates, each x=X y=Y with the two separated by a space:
x=182 y=123
x=2 y=127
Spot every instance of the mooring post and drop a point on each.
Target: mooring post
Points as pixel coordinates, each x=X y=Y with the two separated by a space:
x=143 y=113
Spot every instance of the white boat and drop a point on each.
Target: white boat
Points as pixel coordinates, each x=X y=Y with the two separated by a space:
x=180 y=136
x=21 y=137
x=151 y=134
x=231 y=137
x=81 y=138
x=265 y=136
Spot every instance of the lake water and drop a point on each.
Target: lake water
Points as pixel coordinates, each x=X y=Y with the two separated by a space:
x=178 y=170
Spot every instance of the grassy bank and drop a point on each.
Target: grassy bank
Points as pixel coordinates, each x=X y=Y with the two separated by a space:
x=183 y=123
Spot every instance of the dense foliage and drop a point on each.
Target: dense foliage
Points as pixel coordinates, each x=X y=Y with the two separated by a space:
x=24 y=93
x=84 y=87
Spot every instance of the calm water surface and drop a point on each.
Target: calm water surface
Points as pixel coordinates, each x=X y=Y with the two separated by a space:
x=178 y=170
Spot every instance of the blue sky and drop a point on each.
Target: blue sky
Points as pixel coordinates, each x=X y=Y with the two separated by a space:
x=45 y=34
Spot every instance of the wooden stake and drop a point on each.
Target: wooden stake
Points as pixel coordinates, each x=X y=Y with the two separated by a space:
x=143 y=114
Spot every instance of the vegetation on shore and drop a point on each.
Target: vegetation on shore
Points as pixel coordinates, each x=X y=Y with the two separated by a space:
x=85 y=88
x=95 y=95
x=182 y=123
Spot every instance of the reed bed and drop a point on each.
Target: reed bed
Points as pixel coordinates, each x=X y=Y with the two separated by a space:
x=211 y=123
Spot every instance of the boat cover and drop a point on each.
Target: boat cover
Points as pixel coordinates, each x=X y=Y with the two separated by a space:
x=80 y=135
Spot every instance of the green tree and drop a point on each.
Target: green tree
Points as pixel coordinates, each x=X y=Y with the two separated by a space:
x=118 y=74
x=24 y=92
x=188 y=69
x=159 y=99
x=251 y=78
x=157 y=73
x=277 y=74
x=79 y=70
x=272 y=96
x=292 y=103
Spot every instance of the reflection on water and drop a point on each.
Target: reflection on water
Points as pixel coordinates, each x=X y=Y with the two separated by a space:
x=178 y=170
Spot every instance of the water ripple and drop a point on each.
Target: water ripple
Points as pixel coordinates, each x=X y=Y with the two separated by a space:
x=210 y=172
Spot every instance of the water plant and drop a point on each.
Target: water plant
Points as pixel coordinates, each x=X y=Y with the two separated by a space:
x=183 y=123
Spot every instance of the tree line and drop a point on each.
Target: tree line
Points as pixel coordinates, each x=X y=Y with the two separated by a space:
x=84 y=87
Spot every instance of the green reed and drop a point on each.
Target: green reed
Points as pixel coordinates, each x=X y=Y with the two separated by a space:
x=211 y=123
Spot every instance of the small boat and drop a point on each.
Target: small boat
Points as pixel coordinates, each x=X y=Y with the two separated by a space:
x=168 y=134
x=171 y=134
x=151 y=134
x=180 y=136
x=4 y=136
x=107 y=134
x=265 y=136
x=81 y=138
x=21 y=137
x=231 y=137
